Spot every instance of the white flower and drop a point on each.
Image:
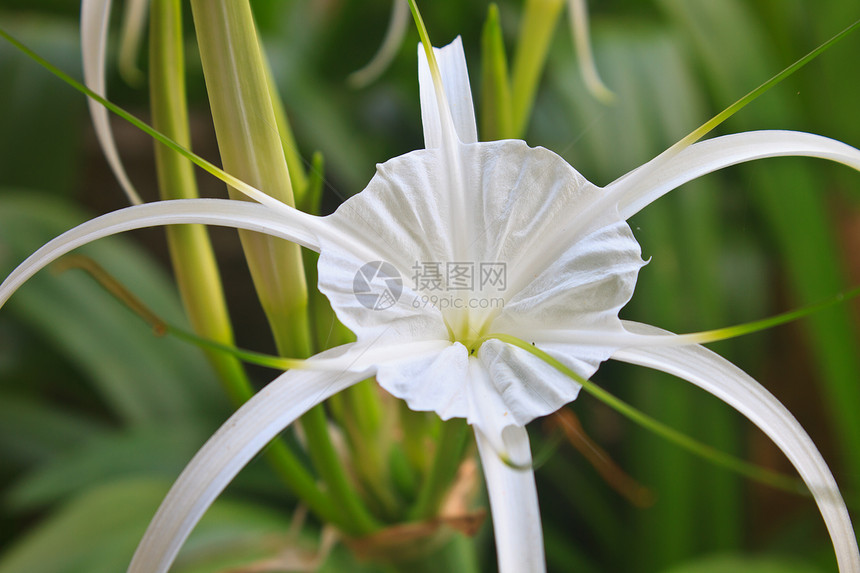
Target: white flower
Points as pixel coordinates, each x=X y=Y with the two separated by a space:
x=571 y=263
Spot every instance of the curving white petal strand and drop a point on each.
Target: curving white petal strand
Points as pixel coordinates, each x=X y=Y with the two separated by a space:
x=238 y=214
x=397 y=27
x=247 y=432
x=95 y=17
x=647 y=183
x=513 y=504
x=578 y=12
x=455 y=82
x=133 y=25
x=381 y=355
x=724 y=380
x=592 y=337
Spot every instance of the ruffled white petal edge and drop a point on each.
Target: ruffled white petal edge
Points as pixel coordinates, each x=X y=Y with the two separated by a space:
x=244 y=435
x=397 y=27
x=455 y=85
x=724 y=380
x=298 y=227
x=647 y=183
x=95 y=17
x=513 y=504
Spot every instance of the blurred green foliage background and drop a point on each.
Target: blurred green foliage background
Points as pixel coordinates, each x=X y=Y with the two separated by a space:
x=97 y=415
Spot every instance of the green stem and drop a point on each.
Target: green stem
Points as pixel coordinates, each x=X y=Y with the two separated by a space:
x=717 y=457
x=709 y=125
x=239 y=89
x=295 y=166
x=449 y=450
x=191 y=252
x=190 y=249
x=416 y=427
x=371 y=442
x=251 y=149
x=356 y=519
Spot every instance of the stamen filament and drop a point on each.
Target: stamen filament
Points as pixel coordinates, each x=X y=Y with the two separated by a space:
x=722 y=459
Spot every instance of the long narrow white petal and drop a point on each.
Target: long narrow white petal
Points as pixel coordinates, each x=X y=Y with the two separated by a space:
x=590 y=337
x=514 y=504
x=578 y=12
x=651 y=181
x=133 y=25
x=95 y=17
x=397 y=27
x=724 y=380
x=449 y=122
x=383 y=354
x=222 y=212
x=243 y=436
x=455 y=82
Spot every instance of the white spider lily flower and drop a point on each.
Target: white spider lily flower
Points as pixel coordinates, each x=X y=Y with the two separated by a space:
x=568 y=263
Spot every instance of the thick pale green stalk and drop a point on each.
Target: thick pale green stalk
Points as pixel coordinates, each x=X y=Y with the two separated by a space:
x=190 y=250
x=536 y=31
x=298 y=176
x=251 y=150
x=239 y=87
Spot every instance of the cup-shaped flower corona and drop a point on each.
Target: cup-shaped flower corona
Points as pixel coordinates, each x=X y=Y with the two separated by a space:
x=523 y=248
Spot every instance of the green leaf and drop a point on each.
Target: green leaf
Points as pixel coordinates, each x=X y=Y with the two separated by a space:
x=98 y=531
x=680 y=289
x=32 y=431
x=137 y=375
x=791 y=198
x=536 y=32
x=38 y=121
x=496 y=111
x=152 y=451
x=733 y=563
